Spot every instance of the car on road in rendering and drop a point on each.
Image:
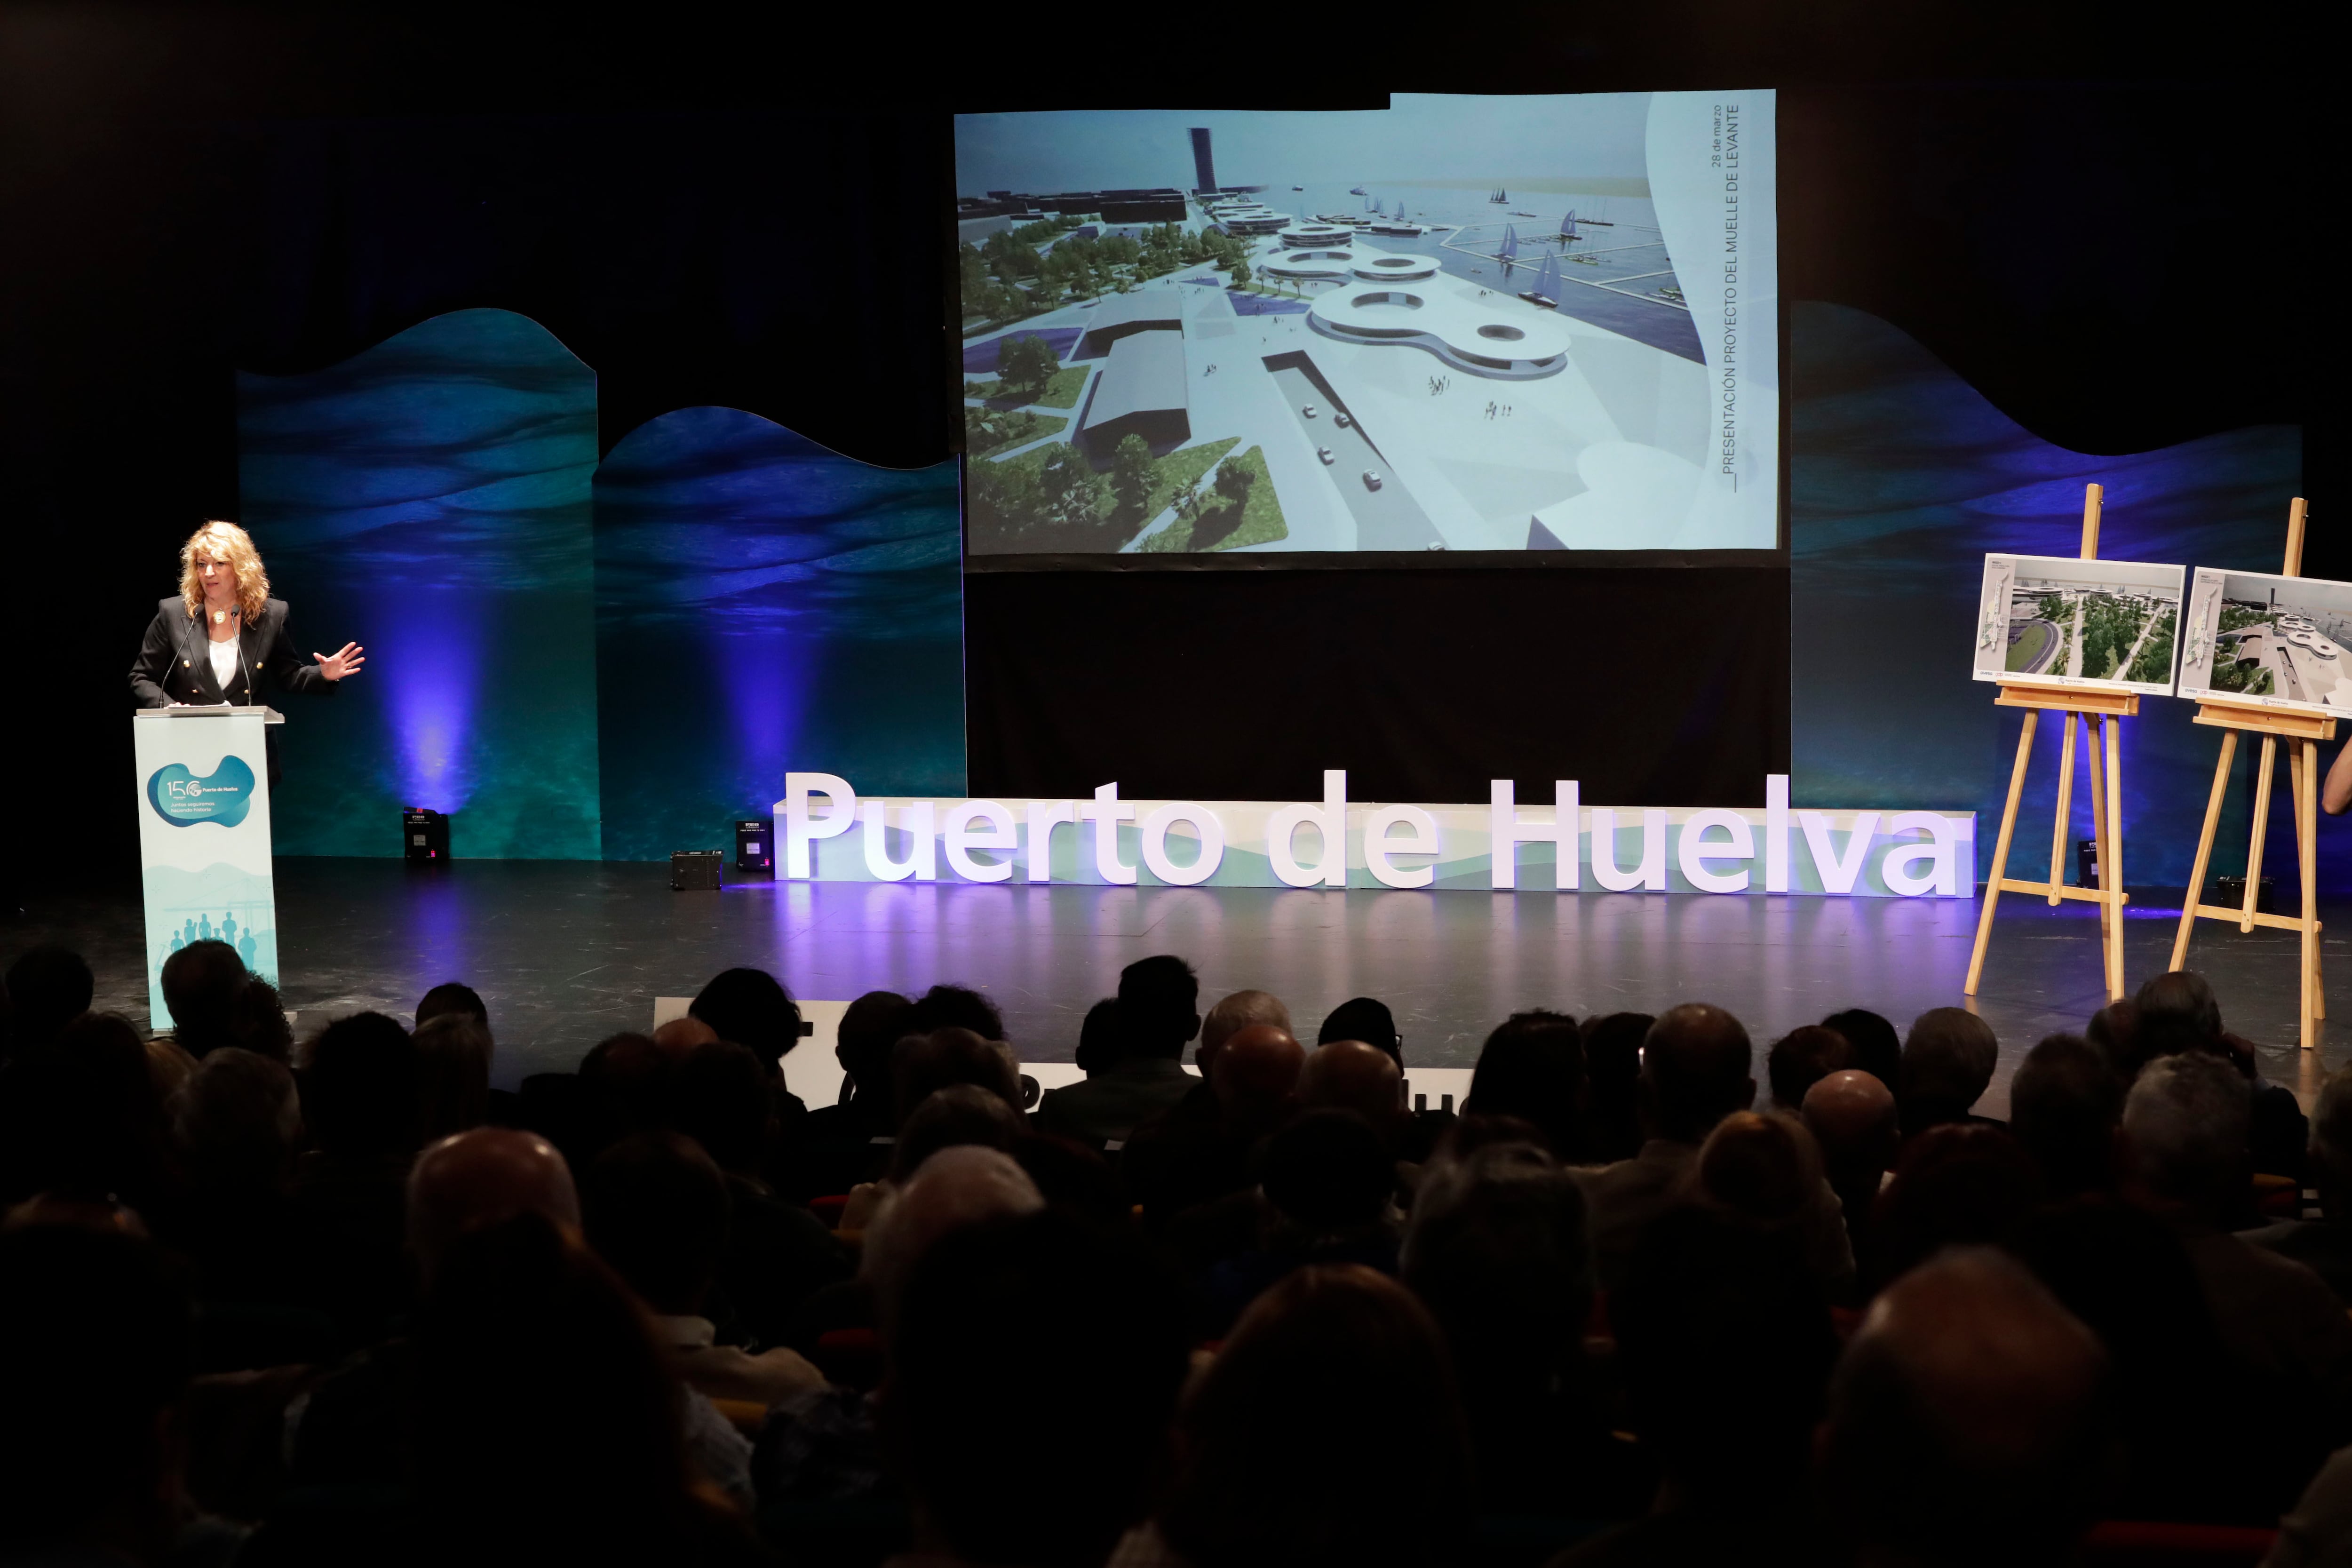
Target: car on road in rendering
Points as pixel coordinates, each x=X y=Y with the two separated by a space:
x=1308 y=411
x=1324 y=452
x=1371 y=481
x=1341 y=420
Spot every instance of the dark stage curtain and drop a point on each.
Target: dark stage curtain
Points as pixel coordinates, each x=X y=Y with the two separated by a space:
x=1651 y=686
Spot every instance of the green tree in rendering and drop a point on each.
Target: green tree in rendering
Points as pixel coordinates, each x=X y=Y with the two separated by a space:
x=1026 y=363
x=1131 y=473
x=1233 y=483
x=1241 y=272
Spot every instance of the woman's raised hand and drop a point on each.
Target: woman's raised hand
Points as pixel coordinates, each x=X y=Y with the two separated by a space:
x=345 y=660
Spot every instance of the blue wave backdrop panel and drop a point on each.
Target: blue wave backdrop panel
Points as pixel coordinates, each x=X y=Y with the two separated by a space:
x=764 y=603
x=430 y=499
x=1902 y=478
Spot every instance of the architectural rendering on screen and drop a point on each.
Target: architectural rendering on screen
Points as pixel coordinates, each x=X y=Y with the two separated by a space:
x=1455 y=323
x=2274 y=642
x=2053 y=620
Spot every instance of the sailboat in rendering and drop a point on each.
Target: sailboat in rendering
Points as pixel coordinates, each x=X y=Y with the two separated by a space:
x=1568 y=235
x=1545 y=295
x=1510 y=251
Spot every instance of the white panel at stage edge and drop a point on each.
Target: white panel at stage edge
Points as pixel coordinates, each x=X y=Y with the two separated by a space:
x=1711 y=167
x=204 y=840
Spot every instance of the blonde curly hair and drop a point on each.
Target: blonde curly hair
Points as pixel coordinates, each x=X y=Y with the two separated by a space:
x=233 y=545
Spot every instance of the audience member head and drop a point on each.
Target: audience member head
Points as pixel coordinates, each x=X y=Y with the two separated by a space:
x=1334 y=1385
x=1255 y=1076
x=1710 y=1304
x=2114 y=1033
x=199 y=986
x=1497 y=1251
x=453 y=1073
x=484 y=1177
x=872 y=1024
x=1612 y=1073
x=680 y=1035
x=956 y=1007
x=81 y=1119
x=1353 y=1075
x=921 y=1065
x=961 y=1113
x=750 y=1007
x=451 y=996
x=1947 y=1064
x=1761 y=1168
x=1234 y=1013
x=236 y=1122
x=95 y=1353
x=718 y=1096
x=1852 y=1117
x=524 y=1331
x=2177 y=1013
x=1532 y=1067
x=1029 y=1346
x=1960 y=1183
x=49 y=988
x=360 y=1093
x=2186 y=1119
x=1802 y=1058
x=625 y=1080
x=1694 y=1072
x=1877 y=1048
x=1158 y=1007
x=1327 y=1173
x=1366 y=1019
x=1964 y=1420
x=956 y=1187
x=2331 y=1145
x=1100 y=1044
x=2126 y=1276
x=656 y=1211
x=2064 y=1105
x=259 y=1020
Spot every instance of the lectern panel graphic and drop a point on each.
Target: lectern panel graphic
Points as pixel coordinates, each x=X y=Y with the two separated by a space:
x=204 y=837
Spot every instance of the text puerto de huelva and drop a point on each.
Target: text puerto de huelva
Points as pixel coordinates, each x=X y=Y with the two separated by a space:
x=1726 y=157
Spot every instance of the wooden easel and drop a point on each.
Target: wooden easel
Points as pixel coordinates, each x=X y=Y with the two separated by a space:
x=2303 y=731
x=2099 y=713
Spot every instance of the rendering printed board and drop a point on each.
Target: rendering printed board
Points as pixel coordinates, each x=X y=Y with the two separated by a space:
x=1453 y=324
x=2055 y=620
x=2268 y=641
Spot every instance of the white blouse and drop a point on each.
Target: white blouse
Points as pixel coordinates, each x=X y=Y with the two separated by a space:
x=224 y=655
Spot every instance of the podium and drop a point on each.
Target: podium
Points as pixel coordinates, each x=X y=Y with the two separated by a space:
x=204 y=837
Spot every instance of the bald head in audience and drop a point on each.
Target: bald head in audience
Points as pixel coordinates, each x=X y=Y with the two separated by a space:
x=1695 y=1072
x=680 y=1035
x=1965 y=1421
x=1349 y=1075
x=479 y=1178
x=1255 y=1073
x=1852 y=1117
x=961 y=1185
x=1231 y=1016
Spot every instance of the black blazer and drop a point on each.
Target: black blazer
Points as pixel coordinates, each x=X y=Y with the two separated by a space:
x=175 y=664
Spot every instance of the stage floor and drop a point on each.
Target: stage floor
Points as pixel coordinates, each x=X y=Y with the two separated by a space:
x=567 y=951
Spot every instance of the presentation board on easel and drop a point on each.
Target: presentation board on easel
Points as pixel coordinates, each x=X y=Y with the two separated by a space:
x=2265 y=654
x=2083 y=638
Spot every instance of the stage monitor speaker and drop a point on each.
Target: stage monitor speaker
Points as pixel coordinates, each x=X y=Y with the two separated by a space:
x=2229 y=893
x=755 y=847
x=425 y=835
x=694 y=871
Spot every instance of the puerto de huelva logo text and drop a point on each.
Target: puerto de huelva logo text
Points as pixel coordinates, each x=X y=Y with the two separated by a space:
x=223 y=795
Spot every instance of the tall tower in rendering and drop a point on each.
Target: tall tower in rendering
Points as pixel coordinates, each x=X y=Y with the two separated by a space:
x=1204 y=168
